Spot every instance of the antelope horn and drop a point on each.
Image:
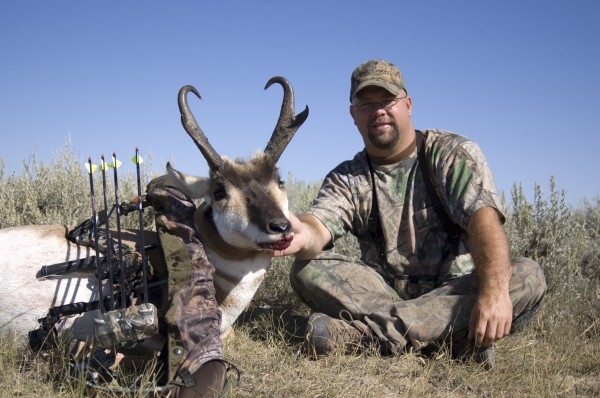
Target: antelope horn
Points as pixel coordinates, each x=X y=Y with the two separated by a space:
x=193 y=129
x=287 y=124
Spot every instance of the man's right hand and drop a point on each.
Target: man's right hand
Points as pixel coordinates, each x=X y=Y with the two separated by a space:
x=310 y=237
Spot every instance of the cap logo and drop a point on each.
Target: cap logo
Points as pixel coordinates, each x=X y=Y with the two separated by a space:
x=378 y=70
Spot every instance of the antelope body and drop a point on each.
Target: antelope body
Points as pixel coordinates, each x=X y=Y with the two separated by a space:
x=244 y=215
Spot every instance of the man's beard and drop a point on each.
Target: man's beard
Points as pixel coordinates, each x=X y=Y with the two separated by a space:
x=384 y=141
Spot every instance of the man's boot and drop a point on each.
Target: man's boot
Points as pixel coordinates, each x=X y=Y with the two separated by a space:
x=326 y=335
x=464 y=349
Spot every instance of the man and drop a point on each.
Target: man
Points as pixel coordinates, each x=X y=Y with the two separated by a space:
x=435 y=264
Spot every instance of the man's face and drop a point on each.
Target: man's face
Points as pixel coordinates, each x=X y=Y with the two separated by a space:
x=381 y=118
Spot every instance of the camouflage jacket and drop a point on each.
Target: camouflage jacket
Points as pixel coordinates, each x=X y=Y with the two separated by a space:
x=192 y=316
x=415 y=239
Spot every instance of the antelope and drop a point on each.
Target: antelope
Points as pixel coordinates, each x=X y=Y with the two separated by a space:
x=244 y=216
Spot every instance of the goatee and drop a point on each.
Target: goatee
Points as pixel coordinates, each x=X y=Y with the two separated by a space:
x=384 y=141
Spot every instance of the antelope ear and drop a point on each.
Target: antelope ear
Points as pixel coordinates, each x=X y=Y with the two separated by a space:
x=193 y=186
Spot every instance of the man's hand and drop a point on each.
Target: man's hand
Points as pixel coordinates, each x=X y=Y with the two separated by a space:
x=492 y=312
x=310 y=237
x=300 y=237
x=491 y=319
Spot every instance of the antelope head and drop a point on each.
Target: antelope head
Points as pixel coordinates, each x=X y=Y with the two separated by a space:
x=244 y=201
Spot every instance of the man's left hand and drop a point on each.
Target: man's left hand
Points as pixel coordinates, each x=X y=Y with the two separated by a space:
x=491 y=319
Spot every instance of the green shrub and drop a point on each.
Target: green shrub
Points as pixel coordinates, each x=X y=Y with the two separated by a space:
x=59 y=192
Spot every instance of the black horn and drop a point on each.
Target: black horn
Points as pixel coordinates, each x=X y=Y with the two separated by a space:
x=288 y=123
x=193 y=129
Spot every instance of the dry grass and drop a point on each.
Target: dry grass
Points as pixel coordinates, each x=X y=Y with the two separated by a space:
x=556 y=355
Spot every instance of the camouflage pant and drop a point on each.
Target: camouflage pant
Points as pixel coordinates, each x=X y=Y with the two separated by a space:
x=343 y=287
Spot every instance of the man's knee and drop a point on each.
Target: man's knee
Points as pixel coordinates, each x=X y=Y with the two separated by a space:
x=296 y=276
x=530 y=276
x=303 y=273
x=528 y=287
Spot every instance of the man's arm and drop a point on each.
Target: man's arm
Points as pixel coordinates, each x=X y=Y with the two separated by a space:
x=491 y=316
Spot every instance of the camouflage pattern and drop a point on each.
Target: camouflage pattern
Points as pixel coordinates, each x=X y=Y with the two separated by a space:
x=335 y=284
x=192 y=318
x=125 y=326
x=411 y=289
x=415 y=240
x=376 y=73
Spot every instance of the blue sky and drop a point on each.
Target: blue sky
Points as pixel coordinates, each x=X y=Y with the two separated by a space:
x=519 y=77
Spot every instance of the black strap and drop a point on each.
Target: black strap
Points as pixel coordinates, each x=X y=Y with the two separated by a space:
x=373 y=221
x=376 y=232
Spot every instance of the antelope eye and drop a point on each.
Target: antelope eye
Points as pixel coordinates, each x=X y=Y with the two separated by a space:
x=220 y=194
x=281 y=181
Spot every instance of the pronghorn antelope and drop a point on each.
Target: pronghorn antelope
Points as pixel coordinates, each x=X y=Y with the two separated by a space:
x=244 y=214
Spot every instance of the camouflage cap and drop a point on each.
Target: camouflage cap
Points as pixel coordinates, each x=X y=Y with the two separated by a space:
x=379 y=73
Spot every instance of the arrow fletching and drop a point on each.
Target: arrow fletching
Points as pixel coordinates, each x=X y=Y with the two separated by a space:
x=90 y=167
x=137 y=159
x=103 y=164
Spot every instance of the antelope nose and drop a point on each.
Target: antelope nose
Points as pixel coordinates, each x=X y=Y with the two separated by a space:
x=280 y=226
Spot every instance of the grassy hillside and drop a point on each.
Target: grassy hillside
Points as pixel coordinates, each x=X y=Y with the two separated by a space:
x=558 y=353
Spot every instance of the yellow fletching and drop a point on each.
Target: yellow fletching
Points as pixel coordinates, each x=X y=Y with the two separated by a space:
x=137 y=159
x=113 y=165
x=93 y=167
x=104 y=165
